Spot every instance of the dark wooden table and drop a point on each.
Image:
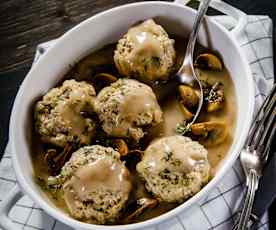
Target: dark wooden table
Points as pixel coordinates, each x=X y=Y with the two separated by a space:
x=26 y=23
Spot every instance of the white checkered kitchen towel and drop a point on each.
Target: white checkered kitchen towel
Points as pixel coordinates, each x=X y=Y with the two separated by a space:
x=218 y=209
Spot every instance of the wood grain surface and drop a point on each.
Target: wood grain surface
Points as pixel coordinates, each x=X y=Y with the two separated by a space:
x=26 y=23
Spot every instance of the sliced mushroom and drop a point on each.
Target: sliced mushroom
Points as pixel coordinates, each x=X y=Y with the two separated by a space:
x=121 y=146
x=188 y=95
x=101 y=80
x=136 y=152
x=56 y=160
x=215 y=99
x=49 y=159
x=214 y=106
x=50 y=154
x=210 y=133
x=105 y=78
x=132 y=158
x=187 y=114
x=137 y=207
x=208 y=61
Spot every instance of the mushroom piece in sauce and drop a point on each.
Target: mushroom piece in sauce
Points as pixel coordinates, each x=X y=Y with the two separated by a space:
x=138 y=207
x=188 y=96
x=126 y=107
x=208 y=61
x=95 y=183
x=186 y=113
x=55 y=160
x=58 y=116
x=120 y=146
x=174 y=168
x=146 y=52
x=211 y=133
x=102 y=80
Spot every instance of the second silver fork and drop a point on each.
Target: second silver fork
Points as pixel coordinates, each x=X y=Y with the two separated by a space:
x=254 y=155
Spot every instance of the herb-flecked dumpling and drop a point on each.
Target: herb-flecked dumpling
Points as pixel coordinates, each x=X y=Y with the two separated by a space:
x=174 y=168
x=59 y=115
x=126 y=107
x=95 y=184
x=145 y=52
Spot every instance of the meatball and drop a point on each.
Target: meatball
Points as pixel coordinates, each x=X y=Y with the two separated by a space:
x=146 y=52
x=174 y=168
x=95 y=184
x=125 y=107
x=59 y=116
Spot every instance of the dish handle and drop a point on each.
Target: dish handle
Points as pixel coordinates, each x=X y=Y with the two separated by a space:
x=5 y=207
x=229 y=10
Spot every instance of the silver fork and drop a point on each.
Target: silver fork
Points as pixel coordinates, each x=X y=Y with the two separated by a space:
x=255 y=153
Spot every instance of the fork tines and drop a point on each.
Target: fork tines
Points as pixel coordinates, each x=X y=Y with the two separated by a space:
x=263 y=129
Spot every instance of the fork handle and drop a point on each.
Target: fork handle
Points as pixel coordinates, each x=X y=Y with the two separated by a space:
x=252 y=185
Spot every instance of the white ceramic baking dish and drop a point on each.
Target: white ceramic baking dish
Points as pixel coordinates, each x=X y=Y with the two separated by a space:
x=94 y=33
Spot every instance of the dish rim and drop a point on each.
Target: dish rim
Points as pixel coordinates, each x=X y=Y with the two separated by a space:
x=53 y=211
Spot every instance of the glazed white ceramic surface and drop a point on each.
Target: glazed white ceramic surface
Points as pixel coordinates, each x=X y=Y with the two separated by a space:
x=94 y=33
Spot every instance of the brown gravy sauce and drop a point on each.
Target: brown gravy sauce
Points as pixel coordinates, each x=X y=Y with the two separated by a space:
x=70 y=112
x=139 y=102
x=155 y=153
x=72 y=118
x=172 y=115
x=142 y=101
x=113 y=176
x=145 y=42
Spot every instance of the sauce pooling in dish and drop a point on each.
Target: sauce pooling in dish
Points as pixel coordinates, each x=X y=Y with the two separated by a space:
x=146 y=152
